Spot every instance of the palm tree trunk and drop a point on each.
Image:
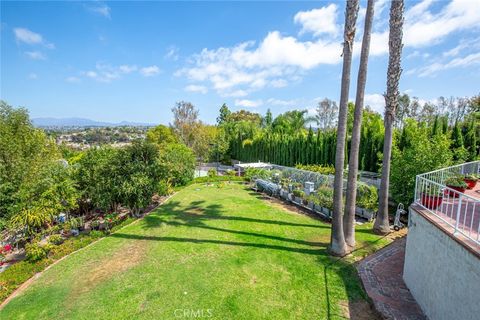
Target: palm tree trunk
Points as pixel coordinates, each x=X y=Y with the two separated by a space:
x=349 y=216
x=382 y=225
x=337 y=241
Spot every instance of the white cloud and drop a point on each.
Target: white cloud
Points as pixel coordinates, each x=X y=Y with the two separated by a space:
x=282 y=103
x=101 y=9
x=196 y=88
x=466 y=61
x=277 y=59
x=72 y=79
x=33 y=76
x=375 y=101
x=424 y=28
x=172 y=53
x=29 y=37
x=246 y=67
x=236 y=94
x=248 y=103
x=127 y=68
x=279 y=83
x=464 y=45
x=150 y=71
x=91 y=74
x=318 y=21
x=107 y=73
x=35 y=55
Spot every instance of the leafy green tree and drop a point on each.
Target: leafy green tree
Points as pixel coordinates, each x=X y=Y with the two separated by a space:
x=224 y=115
x=185 y=122
x=24 y=152
x=40 y=200
x=141 y=173
x=292 y=122
x=99 y=177
x=267 y=120
x=177 y=163
x=460 y=154
x=424 y=153
x=161 y=135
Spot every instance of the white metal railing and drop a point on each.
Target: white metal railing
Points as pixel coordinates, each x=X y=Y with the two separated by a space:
x=459 y=210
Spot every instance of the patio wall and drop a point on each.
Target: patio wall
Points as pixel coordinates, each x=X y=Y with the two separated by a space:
x=441 y=273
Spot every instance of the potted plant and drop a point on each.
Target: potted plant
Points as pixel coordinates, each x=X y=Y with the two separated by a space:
x=431 y=198
x=95 y=224
x=367 y=201
x=298 y=196
x=456 y=183
x=311 y=201
x=471 y=180
x=325 y=198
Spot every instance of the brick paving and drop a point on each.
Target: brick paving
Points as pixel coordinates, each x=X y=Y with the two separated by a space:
x=382 y=277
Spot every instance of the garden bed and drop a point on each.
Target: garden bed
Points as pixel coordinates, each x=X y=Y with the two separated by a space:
x=21 y=270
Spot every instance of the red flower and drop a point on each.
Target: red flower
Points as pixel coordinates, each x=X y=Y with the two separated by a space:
x=7 y=247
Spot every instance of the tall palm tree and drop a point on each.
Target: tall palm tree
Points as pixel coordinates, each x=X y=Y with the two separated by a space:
x=391 y=102
x=349 y=216
x=337 y=240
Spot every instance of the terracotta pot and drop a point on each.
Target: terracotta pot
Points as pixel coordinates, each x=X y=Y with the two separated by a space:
x=431 y=202
x=470 y=183
x=454 y=194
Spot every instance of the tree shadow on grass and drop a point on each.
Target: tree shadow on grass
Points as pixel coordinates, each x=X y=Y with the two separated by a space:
x=353 y=284
x=196 y=214
x=220 y=242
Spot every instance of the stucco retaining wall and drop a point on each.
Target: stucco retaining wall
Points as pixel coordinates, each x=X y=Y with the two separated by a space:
x=442 y=274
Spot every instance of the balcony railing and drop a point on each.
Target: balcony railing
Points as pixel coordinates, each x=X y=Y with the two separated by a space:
x=459 y=210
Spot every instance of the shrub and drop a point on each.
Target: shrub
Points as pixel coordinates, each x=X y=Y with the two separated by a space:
x=299 y=193
x=367 y=197
x=260 y=173
x=217 y=178
x=34 y=252
x=76 y=223
x=95 y=224
x=177 y=162
x=55 y=239
x=164 y=187
x=325 y=197
x=327 y=170
x=231 y=173
x=96 y=234
x=212 y=173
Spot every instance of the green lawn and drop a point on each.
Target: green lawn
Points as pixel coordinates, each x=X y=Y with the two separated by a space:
x=222 y=253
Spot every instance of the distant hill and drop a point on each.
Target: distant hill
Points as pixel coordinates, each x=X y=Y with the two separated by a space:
x=82 y=122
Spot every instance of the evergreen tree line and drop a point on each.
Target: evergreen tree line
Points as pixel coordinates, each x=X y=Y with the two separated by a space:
x=318 y=146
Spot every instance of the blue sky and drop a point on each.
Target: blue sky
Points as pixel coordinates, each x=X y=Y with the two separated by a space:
x=115 y=61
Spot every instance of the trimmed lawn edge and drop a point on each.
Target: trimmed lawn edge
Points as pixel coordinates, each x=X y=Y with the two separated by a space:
x=26 y=284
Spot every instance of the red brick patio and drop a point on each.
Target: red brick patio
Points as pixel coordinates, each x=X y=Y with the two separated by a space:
x=382 y=277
